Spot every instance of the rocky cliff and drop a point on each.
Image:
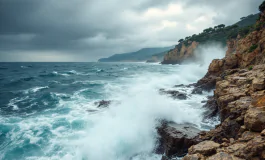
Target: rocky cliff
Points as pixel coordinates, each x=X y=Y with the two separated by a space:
x=180 y=53
x=239 y=81
x=239 y=100
x=186 y=47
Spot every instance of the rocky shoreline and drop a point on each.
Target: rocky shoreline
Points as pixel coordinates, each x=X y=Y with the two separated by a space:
x=238 y=81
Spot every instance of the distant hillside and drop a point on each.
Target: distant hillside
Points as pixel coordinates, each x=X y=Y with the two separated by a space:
x=157 y=57
x=138 y=56
x=247 y=21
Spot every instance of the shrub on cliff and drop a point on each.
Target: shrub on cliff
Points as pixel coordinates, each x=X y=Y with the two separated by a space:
x=262 y=6
x=252 y=48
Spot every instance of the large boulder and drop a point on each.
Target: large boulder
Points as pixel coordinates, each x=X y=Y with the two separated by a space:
x=255 y=119
x=205 y=148
x=258 y=84
x=177 y=138
x=216 y=65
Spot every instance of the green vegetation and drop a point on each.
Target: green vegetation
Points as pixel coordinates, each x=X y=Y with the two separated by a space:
x=250 y=68
x=252 y=48
x=141 y=55
x=262 y=6
x=221 y=33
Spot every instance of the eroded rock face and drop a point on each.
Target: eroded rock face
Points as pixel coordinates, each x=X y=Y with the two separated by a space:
x=177 y=138
x=240 y=96
x=223 y=156
x=205 y=148
x=211 y=108
x=255 y=119
x=180 y=53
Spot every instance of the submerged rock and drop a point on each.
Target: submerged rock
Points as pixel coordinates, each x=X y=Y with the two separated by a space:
x=197 y=90
x=103 y=103
x=174 y=94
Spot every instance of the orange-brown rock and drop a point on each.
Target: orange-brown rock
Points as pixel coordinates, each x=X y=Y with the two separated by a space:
x=180 y=53
x=216 y=65
x=240 y=94
x=255 y=119
x=205 y=148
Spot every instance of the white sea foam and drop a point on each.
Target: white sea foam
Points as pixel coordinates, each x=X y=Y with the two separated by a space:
x=35 y=89
x=124 y=130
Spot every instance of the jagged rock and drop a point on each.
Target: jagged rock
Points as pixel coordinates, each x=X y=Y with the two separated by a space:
x=179 y=85
x=248 y=135
x=258 y=84
x=102 y=103
x=262 y=133
x=227 y=129
x=164 y=158
x=230 y=62
x=240 y=95
x=255 y=119
x=196 y=90
x=177 y=138
x=180 y=53
x=235 y=109
x=205 y=148
x=216 y=65
x=211 y=108
x=91 y=110
x=174 y=94
x=223 y=156
x=193 y=157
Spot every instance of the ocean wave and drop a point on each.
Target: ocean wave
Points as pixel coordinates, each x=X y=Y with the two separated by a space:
x=24 y=67
x=35 y=89
x=20 y=81
x=54 y=74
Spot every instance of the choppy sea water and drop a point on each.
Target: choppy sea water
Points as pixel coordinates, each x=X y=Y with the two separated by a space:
x=47 y=110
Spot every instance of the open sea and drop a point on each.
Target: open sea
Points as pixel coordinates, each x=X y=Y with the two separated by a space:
x=48 y=110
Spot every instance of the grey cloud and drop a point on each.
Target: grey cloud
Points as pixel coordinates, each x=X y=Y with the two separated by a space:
x=90 y=29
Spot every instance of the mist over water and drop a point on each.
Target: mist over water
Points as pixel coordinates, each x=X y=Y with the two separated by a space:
x=48 y=111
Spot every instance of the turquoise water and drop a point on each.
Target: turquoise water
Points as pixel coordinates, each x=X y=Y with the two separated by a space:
x=47 y=110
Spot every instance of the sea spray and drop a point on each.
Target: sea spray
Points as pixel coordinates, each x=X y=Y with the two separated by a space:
x=54 y=122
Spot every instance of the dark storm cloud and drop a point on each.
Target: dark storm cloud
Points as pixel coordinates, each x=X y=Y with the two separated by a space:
x=90 y=29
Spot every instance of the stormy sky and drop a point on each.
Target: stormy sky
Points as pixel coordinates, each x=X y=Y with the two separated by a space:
x=85 y=30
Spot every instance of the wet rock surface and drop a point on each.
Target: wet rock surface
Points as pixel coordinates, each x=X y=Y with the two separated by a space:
x=239 y=79
x=103 y=103
x=239 y=99
x=174 y=94
x=177 y=138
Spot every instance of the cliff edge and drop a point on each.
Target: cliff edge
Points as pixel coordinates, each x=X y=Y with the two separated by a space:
x=239 y=81
x=186 y=48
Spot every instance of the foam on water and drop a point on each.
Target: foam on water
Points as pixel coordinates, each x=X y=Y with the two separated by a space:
x=125 y=130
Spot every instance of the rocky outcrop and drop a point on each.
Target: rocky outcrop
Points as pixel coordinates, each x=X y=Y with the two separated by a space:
x=241 y=104
x=177 y=138
x=103 y=103
x=239 y=81
x=174 y=94
x=180 y=53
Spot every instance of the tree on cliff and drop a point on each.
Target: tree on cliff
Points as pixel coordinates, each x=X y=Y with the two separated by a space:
x=221 y=26
x=262 y=6
x=181 y=40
